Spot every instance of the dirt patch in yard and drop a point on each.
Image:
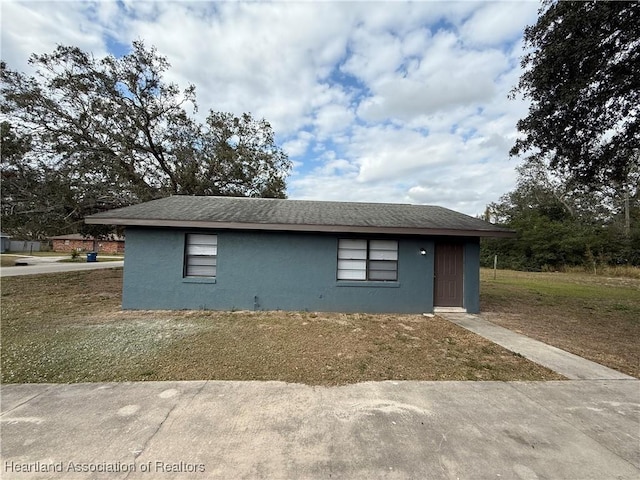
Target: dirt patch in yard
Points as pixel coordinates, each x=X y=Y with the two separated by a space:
x=334 y=349
x=69 y=328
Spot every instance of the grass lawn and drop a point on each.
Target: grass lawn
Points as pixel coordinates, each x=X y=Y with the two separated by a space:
x=68 y=327
x=596 y=317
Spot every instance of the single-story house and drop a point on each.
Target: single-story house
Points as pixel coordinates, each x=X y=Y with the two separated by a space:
x=224 y=253
x=78 y=242
x=5 y=241
x=22 y=246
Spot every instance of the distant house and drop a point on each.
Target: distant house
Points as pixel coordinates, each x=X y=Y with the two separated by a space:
x=78 y=242
x=224 y=253
x=5 y=241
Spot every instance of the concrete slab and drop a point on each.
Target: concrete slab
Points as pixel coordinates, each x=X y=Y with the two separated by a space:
x=273 y=430
x=565 y=363
x=594 y=411
x=82 y=423
x=20 y=393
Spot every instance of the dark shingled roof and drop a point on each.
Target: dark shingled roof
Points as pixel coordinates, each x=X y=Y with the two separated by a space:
x=298 y=215
x=79 y=236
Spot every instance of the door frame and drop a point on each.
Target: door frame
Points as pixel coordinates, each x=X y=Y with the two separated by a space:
x=459 y=278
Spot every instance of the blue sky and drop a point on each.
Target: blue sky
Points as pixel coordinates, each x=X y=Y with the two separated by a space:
x=373 y=101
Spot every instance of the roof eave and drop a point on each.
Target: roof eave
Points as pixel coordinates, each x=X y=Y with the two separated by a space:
x=298 y=227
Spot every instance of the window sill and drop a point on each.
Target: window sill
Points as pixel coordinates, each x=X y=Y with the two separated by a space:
x=199 y=280
x=367 y=283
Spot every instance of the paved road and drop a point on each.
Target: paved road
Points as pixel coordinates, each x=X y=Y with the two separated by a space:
x=51 y=265
x=577 y=429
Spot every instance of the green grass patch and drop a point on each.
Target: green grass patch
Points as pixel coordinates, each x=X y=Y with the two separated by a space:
x=593 y=316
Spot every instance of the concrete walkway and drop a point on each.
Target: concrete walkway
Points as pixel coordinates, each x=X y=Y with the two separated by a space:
x=565 y=363
x=271 y=430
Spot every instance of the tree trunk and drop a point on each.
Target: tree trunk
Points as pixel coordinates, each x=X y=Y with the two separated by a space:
x=627 y=216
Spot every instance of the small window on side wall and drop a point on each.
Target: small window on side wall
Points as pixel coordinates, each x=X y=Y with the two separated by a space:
x=374 y=260
x=201 y=255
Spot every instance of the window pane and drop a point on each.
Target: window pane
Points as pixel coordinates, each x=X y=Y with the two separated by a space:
x=201 y=271
x=352 y=275
x=353 y=244
x=352 y=265
x=383 y=245
x=382 y=265
x=383 y=250
x=201 y=239
x=202 y=249
x=352 y=254
x=382 y=255
x=383 y=270
x=201 y=261
x=352 y=249
x=383 y=275
x=201 y=255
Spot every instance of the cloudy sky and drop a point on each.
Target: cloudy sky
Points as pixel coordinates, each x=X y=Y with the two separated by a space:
x=373 y=101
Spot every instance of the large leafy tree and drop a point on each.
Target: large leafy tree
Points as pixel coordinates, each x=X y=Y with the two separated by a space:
x=550 y=230
x=39 y=199
x=112 y=132
x=560 y=223
x=582 y=76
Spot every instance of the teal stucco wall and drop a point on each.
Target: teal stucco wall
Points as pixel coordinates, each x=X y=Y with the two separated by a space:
x=279 y=271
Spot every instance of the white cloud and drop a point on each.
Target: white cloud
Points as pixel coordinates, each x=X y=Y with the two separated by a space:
x=448 y=75
x=269 y=59
x=374 y=56
x=342 y=187
x=27 y=30
x=374 y=101
x=389 y=153
x=331 y=119
x=498 y=22
x=298 y=146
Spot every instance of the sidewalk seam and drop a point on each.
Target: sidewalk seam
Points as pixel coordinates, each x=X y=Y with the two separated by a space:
x=571 y=424
x=49 y=387
x=161 y=424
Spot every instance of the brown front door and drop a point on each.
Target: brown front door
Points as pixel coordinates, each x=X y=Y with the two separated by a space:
x=448 y=275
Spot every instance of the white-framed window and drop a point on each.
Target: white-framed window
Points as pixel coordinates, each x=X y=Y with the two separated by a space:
x=375 y=260
x=201 y=255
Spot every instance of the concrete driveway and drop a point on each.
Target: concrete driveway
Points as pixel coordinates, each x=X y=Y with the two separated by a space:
x=581 y=429
x=39 y=265
x=587 y=428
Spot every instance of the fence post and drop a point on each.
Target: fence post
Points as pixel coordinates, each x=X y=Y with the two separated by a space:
x=495 y=266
